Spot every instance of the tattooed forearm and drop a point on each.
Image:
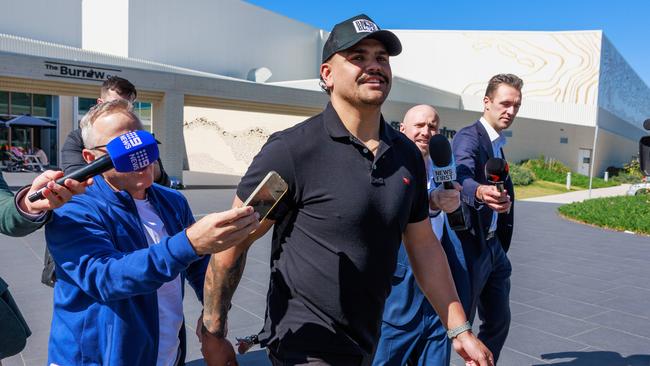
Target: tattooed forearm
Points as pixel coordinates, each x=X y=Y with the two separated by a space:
x=221 y=280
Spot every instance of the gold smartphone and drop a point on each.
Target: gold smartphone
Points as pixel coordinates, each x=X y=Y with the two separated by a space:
x=267 y=194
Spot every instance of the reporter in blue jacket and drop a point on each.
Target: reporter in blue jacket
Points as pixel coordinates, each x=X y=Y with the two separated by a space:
x=122 y=254
x=411 y=330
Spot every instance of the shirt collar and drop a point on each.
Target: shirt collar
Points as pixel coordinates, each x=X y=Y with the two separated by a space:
x=336 y=128
x=495 y=137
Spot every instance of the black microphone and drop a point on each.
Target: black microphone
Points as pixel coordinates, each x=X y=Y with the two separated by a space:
x=444 y=171
x=646 y=124
x=126 y=153
x=496 y=172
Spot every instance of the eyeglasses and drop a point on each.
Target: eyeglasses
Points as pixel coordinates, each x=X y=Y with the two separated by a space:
x=98 y=147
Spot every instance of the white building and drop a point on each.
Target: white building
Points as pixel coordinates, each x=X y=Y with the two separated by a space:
x=218 y=76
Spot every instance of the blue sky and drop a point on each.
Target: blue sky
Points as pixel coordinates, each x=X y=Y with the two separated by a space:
x=625 y=22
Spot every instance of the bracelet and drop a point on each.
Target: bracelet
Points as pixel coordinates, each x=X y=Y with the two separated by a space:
x=453 y=333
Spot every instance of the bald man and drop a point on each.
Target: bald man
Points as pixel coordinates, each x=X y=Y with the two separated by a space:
x=411 y=331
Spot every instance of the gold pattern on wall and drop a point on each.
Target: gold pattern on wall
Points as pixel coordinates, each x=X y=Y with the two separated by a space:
x=563 y=69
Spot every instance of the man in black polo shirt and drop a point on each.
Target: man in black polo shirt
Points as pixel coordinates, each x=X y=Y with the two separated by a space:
x=356 y=187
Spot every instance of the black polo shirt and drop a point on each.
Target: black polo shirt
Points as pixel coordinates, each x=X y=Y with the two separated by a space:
x=337 y=231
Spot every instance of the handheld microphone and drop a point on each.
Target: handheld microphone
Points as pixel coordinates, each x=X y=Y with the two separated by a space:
x=444 y=171
x=444 y=168
x=129 y=152
x=496 y=172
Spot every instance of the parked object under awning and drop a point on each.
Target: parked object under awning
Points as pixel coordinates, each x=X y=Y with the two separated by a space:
x=28 y=121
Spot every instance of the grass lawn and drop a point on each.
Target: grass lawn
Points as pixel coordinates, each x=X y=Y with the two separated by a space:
x=631 y=213
x=541 y=188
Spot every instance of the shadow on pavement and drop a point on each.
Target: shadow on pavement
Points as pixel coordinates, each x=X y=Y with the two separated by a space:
x=596 y=358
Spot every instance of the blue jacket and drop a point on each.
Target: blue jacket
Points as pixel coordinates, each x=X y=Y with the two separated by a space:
x=105 y=301
x=472 y=149
x=407 y=301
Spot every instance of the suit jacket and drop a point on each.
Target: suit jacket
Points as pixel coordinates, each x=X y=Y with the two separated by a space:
x=472 y=148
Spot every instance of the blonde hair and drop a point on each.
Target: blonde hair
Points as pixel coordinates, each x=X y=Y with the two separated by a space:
x=114 y=106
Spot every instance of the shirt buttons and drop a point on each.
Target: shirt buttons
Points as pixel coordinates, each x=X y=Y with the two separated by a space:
x=374 y=167
x=365 y=151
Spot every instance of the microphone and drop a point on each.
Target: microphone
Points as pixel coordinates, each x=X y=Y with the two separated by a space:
x=646 y=124
x=496 y=172
x=444 y=172
x=129 y=152
x=444 y=169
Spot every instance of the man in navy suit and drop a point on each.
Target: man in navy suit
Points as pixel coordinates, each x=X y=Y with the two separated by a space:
x=411 y=329
x=488 y=240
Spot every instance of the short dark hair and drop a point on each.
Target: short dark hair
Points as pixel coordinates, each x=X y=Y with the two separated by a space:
x=508 y=79
x=121 y=86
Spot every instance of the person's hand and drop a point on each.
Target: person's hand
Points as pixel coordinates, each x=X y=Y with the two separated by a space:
x=472 y=350
x=217 y=351
x=497 y=201
x=55 y=195
x=447 y=200
x=222 y=230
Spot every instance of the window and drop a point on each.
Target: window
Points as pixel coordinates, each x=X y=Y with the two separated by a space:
x=564 y=140
x=21 y=103
x=143 y=111
x=507 y=133
x=42 y=105
x=4 y=102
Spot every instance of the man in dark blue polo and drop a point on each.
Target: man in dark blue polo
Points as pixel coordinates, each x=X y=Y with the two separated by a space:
x=356 y=188
x=488 y=240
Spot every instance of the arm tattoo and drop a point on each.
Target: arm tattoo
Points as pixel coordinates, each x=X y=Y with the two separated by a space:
x=220 y=284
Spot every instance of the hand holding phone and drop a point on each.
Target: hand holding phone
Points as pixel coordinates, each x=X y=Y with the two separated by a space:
x=267 y=194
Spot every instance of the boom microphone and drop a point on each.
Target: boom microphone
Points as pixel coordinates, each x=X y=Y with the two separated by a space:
x=646 y=124
x=444 y=171
x=129 y=152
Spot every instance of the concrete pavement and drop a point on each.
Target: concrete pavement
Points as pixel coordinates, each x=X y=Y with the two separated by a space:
x=580 y=294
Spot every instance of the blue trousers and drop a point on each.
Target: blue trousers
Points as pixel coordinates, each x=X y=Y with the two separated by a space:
x=424 y=338
x=490 y=271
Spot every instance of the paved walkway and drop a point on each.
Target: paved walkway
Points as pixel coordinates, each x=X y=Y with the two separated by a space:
x=577 y=196
x=580 y=295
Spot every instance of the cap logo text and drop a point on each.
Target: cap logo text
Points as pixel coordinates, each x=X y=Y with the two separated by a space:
x=365 y=26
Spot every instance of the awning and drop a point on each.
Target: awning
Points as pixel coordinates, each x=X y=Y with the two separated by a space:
x=28 y=121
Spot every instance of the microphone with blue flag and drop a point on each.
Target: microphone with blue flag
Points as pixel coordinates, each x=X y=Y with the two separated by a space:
x=126 y=153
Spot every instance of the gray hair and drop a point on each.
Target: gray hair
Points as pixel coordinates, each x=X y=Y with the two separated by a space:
x=87 y=122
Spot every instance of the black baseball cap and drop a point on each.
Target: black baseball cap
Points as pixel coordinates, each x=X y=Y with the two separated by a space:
x=350 y=32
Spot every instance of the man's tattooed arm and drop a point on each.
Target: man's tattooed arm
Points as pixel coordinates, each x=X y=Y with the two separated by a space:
x=221 y=280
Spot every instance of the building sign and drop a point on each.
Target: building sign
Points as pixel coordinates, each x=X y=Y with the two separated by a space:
x=72 y=71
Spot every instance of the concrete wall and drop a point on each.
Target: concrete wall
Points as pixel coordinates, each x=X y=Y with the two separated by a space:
x=44 y=20
x=613 y=150
x=621 y=90
x=221 y=143
x=557 y=67
x=227 y=37
x=106 y=26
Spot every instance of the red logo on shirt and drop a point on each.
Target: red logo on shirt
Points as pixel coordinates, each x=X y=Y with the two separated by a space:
x=406 y=181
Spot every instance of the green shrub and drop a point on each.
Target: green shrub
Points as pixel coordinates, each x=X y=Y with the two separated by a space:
x=552 y=170
x=620 y=213
x=521 y=175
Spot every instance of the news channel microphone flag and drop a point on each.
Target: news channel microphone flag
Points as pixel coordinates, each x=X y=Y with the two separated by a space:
x=129 y=152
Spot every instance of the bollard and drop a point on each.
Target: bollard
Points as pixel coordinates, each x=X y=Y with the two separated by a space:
x=606 y=178
x=568 y=181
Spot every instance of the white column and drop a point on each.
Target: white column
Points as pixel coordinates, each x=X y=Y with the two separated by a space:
x=167 y=125
x=67 y=114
